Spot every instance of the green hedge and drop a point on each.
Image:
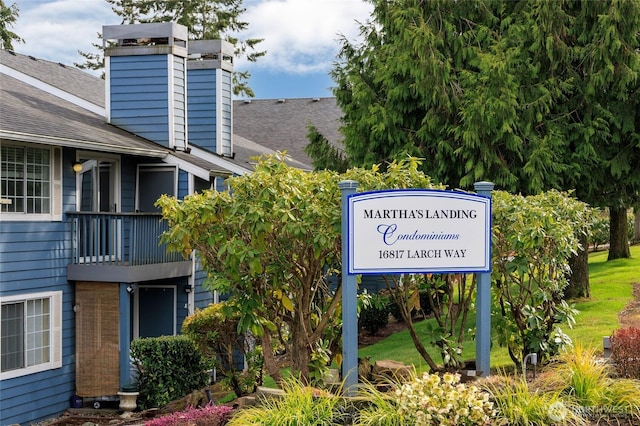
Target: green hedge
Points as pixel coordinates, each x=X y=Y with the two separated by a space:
x=169 y=368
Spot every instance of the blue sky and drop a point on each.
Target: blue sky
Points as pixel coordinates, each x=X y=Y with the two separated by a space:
x=300 y=38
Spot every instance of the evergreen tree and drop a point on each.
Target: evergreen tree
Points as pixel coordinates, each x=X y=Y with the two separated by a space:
x=531 y=95
x=324 y=155
x=205 y=20
x=8 y=17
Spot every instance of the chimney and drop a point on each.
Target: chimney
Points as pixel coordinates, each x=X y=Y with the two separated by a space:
x=209 y=95
x=145 y=67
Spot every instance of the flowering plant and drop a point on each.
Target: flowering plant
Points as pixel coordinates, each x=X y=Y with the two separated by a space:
x=209 y=415
x=435 y=400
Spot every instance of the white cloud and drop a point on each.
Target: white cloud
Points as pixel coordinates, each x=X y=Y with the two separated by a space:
x=301 y=35
x=56 y=30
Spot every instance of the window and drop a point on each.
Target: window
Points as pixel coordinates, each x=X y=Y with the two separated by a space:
x=30 y=334
x=30 y=181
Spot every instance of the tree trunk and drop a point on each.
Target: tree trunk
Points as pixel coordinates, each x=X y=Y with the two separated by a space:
x=270 y=363
x=579 y=277
x=299 y=352
x=636 y=224
x=618 y=236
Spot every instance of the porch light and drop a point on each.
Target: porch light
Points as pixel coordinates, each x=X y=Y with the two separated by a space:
x=187 y=288
x=77 y=167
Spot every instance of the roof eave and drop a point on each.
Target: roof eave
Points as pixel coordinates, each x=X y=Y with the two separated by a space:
x=81 y=144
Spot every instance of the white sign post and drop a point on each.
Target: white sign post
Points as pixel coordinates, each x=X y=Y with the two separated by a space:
x=415 y=231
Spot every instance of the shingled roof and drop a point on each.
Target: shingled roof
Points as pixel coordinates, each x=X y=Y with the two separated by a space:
x=282 y=124
x=61 y=105
x=31 y=113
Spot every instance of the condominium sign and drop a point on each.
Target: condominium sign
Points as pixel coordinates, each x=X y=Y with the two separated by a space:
x=418 y=231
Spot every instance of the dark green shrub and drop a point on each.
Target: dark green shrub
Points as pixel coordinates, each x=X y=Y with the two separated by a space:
x=169 y=368
x=214 y=330
x=374 y=314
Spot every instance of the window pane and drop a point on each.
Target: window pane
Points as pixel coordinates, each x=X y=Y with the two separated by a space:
x=12 y=339
x=12 y=177
x=25 y=177
x=38 y=320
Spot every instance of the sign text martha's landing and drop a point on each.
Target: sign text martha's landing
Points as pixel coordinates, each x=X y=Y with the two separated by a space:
x=419 y=231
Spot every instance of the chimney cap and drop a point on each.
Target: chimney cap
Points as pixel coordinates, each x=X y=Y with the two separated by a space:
x=175 y=34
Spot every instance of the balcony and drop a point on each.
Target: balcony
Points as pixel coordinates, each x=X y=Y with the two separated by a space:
x=121 y=247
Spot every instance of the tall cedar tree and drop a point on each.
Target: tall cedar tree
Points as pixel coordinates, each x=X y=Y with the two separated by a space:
x=8 y=17
x=531 y=95
x=205 y=20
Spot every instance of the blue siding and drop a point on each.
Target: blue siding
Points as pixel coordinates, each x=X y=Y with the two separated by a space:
x=140 y=99
x=183 y=184
x=127 y=185
x=210 y=100
x=34 y=258
x=202 y=297
x=201 y=92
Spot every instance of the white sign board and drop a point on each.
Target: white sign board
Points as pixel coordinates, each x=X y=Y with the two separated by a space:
x=418 y=231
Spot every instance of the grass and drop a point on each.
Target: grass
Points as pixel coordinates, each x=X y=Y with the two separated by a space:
x=611 y=289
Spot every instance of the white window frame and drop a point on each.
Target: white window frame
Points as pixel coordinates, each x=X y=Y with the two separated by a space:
x=55 y=333
x=55 y=181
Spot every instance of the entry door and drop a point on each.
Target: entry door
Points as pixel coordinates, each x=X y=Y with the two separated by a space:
x=98 y=192
x=156 y=311
x=98 y=186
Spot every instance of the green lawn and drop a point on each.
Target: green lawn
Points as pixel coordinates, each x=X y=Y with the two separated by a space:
x=611 y=286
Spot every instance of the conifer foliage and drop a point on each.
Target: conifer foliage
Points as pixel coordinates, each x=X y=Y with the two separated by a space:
x=531 y=95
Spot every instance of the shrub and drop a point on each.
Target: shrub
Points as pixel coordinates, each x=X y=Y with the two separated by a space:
x=516 y=404
x=587 y=382
x=300 y=405
x=169 y=368
x=374 y=314
x=625 y=352
x=214 y=332
x=442 y=400
x=209 y=415
x=534 y=238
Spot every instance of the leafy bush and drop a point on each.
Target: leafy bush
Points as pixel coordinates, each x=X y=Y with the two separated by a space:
x=599 y=227
x=533 y=239
x=214 y=332
x=442 y=400
x=210 y=415
x=374 y=313
x=625 y=352
x=169 y=368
